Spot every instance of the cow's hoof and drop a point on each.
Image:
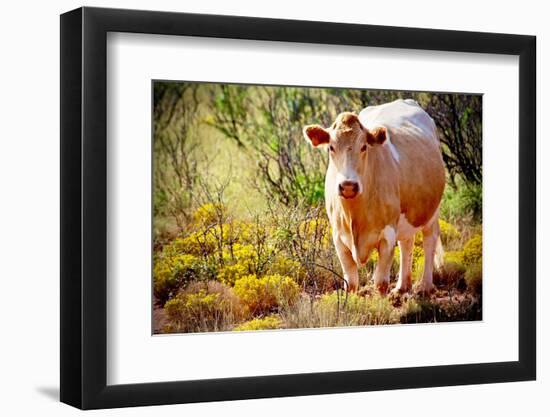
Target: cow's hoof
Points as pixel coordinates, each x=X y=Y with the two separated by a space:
x=423 y=288
x=382 y=288
x=398 y=291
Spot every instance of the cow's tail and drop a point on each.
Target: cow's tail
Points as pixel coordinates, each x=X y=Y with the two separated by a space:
x=439 y=254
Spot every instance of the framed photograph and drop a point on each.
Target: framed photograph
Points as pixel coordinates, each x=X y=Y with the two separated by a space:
x=257 y=208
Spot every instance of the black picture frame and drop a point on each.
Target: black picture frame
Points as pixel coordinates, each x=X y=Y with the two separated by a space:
x=84 y=207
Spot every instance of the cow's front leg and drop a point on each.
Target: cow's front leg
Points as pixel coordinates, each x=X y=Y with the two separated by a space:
x=349 y=267
x=430 y=235
x=386 y=247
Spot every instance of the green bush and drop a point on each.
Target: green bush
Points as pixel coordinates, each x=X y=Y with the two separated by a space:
x=203 y=307
x=266 y=323
x=262 y=295
x=462 y=201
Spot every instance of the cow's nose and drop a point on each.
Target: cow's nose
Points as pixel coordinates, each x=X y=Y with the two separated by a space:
x=348 y=189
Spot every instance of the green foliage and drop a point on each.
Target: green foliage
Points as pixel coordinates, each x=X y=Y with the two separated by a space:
x=265 y=323
x=462 y=200
x=262 y=295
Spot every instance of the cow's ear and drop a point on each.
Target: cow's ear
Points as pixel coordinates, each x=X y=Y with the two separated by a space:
x=317 y=135
x=377 y=136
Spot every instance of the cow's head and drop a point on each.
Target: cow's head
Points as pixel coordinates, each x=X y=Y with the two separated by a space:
x=347 y=141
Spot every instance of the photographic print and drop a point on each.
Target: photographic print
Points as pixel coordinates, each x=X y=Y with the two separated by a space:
x=283 y=207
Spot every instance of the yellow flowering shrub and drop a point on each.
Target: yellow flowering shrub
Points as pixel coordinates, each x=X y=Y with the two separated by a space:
x=208 y=214
x=261 y=295
x=204 y=241
x=170 y=272
x=315 y=230
x=237 y=263
x=282 y=265
x=473 y=250
x=448 y=232
x=251 y=232
x=203 y=307
x=456 y=257
x=266 y=323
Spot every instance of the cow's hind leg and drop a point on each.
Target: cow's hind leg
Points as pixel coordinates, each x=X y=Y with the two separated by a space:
x=405 y=265
x=349 y=267
x=386 y=248
x=430 y=235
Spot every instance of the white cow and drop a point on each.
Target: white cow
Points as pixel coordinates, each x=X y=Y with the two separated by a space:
x=384 y=183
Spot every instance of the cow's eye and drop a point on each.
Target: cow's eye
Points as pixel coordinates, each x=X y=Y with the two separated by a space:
x=363 y=148
x=331 y=148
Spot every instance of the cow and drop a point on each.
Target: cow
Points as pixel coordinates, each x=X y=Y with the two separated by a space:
x=384 y=183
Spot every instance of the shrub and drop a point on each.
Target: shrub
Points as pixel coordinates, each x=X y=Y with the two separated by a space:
x=171 y=272
x=208 y=214
x=473 y=250
x=210 y=306
x=266 y=323
x=262 y=295
x=448 y=232
x=315 y=231
x=462 y=201
x=282 y=265
x=204 y=241
x=256 y=232
x=450 y=274
x=456 y=257
x=239 y=262
x=474 y=277
x=452 y=271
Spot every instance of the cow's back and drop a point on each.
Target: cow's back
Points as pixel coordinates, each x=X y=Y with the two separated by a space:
x=414 y=146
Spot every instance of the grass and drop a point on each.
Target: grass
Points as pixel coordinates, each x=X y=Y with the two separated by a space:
x=214 y=307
